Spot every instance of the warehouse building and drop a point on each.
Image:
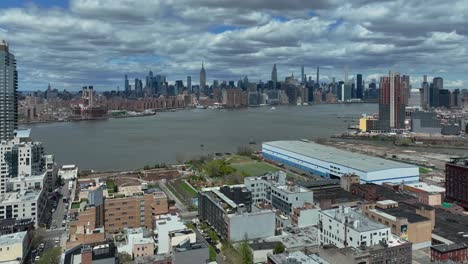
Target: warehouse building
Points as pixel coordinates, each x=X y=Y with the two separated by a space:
x=331 y=162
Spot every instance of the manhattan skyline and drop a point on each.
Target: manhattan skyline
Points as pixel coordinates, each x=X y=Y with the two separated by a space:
x=96 y=42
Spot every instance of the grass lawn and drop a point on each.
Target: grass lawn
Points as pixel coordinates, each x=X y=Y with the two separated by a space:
x=254 y=168
x=424 y=170
x=184 y=186
x=239 y=159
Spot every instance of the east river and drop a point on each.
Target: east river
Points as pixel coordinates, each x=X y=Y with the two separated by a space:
x=130 y=143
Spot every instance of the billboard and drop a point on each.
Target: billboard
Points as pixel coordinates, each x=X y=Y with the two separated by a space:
x=404 y=232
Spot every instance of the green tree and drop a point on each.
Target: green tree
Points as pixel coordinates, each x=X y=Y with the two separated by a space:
x=212 y=252
x=51 y=256
x=218 y=168
x=213 y=236
x=125 y=258
x=245 y=252
x=279 y=248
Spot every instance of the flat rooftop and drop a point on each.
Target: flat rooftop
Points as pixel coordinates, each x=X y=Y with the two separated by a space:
x=298 y=257
x=20 y=196
x=12 y=239
x=336 y=195
x=426 y=187
x=451 y=226
x=365 y=224
x=297 y=238
x=344 y=158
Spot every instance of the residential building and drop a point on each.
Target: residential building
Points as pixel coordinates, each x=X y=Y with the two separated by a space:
x=273 y=189
x=138 y=243
x=24 y=172
x=233 y=221
x=13 y=225
x=345 y=226
x=172 y=232
x=453 y=252
x=456 y=182
x=305 y=216
x=392 y=102
x=134 y=211
x=14 y=247
x=8 y=93
x=331 y=162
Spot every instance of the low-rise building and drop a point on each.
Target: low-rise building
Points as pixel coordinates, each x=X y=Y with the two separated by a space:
x=428 y=194
x=68 y=172
x=393 y=251
x=403 y=220
x=296 y=257
x=305 y=216
x=298 y=239
x=14 y=247
x=187 y=253
x=368 y=124
x=231 y=220
x=273 y=189
x=171 y=231
x=85 y=254
x=13 y=225
x=138 y=243
x=344 y=227
x=453 y=252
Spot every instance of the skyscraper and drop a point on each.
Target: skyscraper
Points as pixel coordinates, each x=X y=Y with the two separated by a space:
x=359 y=87
x=127 y=85
x=274 y=76
x=391 y=102
x=303 y=80
x=425 y=93
x=437 y=84
x=406 y=89
x=8 y=93
x=189 y=84
x=202 y=79
x=317 y=81
x=346 y=74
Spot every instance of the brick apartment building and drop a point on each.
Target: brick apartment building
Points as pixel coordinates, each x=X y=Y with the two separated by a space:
x=456 y=182
x=134 y=211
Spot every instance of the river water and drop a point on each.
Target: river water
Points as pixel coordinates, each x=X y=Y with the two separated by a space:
x=130 y=143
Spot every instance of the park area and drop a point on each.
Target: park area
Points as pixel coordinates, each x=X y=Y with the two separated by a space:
x=250 y=167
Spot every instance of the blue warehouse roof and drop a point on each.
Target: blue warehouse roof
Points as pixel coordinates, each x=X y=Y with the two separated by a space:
x=344 y=158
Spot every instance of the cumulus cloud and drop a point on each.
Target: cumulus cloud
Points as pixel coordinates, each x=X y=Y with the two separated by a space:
x=96 y=42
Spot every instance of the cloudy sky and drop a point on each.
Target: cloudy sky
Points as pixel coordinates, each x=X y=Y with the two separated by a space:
x=95 y=42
